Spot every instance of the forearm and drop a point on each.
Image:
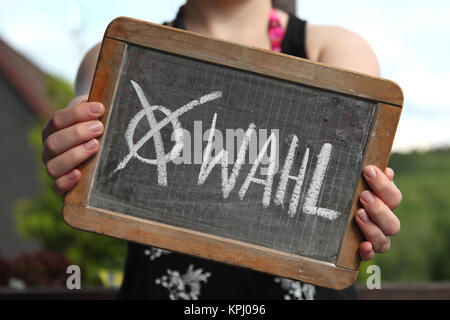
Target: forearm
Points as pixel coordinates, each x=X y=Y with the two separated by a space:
x=86 y=72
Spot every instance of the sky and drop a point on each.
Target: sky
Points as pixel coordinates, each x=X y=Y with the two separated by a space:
x=410 y=38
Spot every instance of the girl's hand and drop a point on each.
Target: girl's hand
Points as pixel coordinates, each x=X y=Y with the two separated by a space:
x=69 y=138
x=376 y=219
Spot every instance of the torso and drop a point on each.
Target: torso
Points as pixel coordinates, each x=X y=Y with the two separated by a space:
x=152 y=273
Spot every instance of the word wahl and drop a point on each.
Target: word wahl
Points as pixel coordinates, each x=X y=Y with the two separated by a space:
x=229 y=179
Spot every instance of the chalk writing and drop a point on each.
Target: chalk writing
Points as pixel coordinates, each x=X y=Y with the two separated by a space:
x=161 y=157
x=229 y=179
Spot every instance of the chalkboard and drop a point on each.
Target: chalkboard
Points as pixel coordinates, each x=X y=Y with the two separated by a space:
x=232 y=153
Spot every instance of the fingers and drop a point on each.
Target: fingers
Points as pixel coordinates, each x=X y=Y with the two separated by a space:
x=380 y=213
x=65 y=183
x=366 y=251
x=389 y=174
x=72 y=158
x=377 y=240
x=64 y=118
x=70 y=137
x=376 y=219
x=383 y=187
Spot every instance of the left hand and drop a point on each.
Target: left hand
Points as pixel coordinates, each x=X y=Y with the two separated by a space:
x=376 y=219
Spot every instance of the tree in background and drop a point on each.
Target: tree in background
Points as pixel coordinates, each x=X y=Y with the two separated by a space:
x=40 y=218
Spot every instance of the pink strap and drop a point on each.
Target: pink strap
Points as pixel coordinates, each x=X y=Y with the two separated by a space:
x=276 y=31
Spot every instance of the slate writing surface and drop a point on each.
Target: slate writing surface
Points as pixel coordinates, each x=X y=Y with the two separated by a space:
x=131 y=181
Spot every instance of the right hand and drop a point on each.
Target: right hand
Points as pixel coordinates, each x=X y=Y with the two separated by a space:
x=69 y=139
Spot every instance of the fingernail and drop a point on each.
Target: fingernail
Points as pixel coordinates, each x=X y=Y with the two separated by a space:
x=370 y=173
x=90 y=145
x=362 y=214
x=96 y=127
x=95 y=108
x=73 y=175
x=392 y=171
x=367 y=197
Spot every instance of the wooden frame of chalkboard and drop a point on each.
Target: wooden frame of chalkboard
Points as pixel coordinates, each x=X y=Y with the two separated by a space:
x=125 y=33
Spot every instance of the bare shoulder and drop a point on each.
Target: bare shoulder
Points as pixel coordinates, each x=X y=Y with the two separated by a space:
x=340 y=47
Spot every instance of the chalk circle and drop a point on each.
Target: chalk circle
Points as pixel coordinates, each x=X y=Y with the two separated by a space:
x=178 y=136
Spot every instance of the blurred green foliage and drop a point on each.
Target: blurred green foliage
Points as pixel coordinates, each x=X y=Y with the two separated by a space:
x=421 y=251
x=40 y=218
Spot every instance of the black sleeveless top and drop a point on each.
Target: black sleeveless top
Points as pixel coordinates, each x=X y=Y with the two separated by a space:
x=156 y=274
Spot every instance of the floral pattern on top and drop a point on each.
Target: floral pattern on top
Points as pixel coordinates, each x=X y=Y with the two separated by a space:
x=296 y=290
x=185 y=286
x=154 y=253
